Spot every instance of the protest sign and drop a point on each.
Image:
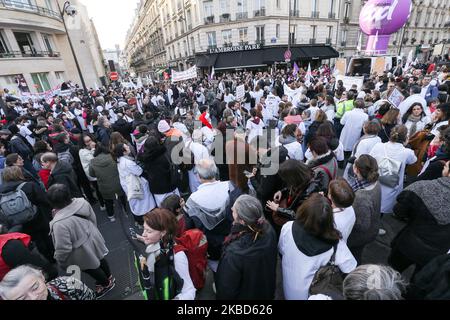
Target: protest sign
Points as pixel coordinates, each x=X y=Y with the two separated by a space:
x=240 y=92
x=396 y=97
x=350 y=81
x=184 y=75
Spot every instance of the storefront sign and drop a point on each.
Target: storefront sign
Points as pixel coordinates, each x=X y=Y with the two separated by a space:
x=247 y=47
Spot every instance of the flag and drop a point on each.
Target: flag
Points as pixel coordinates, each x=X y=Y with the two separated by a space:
x=213 y=73
x=296 y=69
x=139 y=82
x=308 y=78
x=96 y=86
x=410 y=60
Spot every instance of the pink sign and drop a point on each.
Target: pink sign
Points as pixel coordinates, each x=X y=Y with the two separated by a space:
x=381 y=18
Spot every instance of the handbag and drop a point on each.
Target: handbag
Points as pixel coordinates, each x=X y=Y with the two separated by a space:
x=389 y=170
x=134 y=188
x=328 y=280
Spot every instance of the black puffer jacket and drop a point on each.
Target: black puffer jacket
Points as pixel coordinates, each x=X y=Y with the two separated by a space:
x=64 y=174
x=158 y=170
x=247 y=270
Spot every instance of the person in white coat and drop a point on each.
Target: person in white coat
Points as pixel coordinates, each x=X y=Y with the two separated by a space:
x=395 y=150
x=199 y=152
x=364 y=146
x=290 y=140
x=414 y=98
x=415 y=119
x=255 y=126
x=305 y=247
x=128 y=167
x=353 y=122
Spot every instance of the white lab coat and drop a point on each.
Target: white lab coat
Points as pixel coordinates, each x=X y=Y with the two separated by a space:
x=353 y=122
x=405 y=105
x=138 y=207
x=395 y=151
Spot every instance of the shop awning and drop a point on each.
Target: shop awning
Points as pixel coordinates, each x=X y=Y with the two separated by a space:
x=206 y=60
x=315 y=52
x=243 y=59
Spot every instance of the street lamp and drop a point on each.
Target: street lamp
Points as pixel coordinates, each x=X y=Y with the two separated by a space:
x=70 y=10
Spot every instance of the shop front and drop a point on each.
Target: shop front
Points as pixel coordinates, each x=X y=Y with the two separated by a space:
x=261 y=58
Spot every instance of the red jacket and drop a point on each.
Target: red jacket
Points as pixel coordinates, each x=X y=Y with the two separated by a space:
x=4 y=238
x=45 y=175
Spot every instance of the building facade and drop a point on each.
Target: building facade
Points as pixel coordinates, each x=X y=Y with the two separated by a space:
x=35 y=54
x=207 y=32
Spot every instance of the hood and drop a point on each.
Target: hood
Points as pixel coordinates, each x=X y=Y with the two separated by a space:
x=62 y=168
x=155 y=153
x=307 y=243
x=256 y=121
x=287 y=140
x=247 y=244
x=78 y=207
x=104 y=160
x=10 y=186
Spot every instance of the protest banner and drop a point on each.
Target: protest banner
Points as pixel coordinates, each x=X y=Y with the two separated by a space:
x=350 y=81
x=184 y=75
x=47 y=95
x=240 y=92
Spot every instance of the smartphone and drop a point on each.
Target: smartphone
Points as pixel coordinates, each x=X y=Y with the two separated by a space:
x=248 y=174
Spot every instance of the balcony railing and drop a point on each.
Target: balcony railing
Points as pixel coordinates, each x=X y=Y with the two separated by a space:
x=315 y=14
x=37 y=54
x=21 y=6
x=343 y=43
x=209 y=20
x=243 y=43
x=189 y=27
x=225 y=18
x=295 y=13
x=328 y=41
x=241 y=15
x=331 y=15
x=261 y=42
x=228 y=44
x=312 y=41
x=212 y=46
x=260 y=13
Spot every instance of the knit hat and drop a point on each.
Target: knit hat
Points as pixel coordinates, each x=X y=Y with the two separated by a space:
x=163 y=126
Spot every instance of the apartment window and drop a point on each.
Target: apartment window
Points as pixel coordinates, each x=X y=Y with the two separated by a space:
x=260 y=34
x=277 y=32
x=313 y=34
x=241 y=6
x=199 y=41
x=25 y=43
x=227 y=37
x=179 y=49
x=224 y=6
x=211 y=39
x=344 y=37
x=332 y=14
x=278 y=4
x=314 y=5
x=243 y=35
x=292 y=34
x=59 y=75
x=189 y=18
x=49 y=4
x=193 y=44
x=41 y=81
x=330 y=34
x=3 y=46
x=424 y=35
x=347 y=9
x=47 y=42
x=209 y=9
x=23 y=4
x=260 y=4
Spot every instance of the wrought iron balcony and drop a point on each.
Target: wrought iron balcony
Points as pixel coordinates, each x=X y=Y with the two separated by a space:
x=209 y=20
x=260 y=13
x=36 y=54
x=315 y=14
x=295 y=13
x=241 y=15
x=26 y=7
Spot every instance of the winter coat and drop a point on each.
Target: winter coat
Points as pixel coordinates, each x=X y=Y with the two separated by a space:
x=85 y=158
x=18 y=145
x=103 y=135
x=426 y=205
x=237 y=278
x=158 y=170
x=325 y=169
x=367 y=208
x=353 y=122
x=63 y=173
x=77 y=239
x=104 y=168
x=124 y=128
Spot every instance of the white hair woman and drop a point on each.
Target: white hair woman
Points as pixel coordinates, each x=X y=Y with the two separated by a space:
x=28 y=283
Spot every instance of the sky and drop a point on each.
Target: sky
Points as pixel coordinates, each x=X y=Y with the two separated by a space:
x=112 y=18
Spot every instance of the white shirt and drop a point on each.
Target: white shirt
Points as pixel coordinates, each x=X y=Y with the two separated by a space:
x=344 y=220
x=353 y=122
x=273 y=104
x=254 y=129
x=27 y=134
x=398 y=152
x=228 y=98
x=258 y=95
x=182 y=268
x=299 y=269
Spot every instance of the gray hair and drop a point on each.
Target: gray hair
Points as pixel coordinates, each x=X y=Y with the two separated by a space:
x=207 y=169
x=249 y=209
x=374 y=282
x=13 y=278
x=101 y=121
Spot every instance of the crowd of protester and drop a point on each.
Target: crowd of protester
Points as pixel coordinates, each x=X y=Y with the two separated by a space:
x=347 y=158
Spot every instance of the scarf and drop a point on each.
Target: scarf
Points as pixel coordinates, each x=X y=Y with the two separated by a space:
x=360 y=184
x=414 y=119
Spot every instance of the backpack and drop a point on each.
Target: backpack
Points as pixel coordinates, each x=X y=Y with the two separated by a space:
x=194 y=244
x=389 y=170
x=328 y=280
x=15 y=207
x=66 y=157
